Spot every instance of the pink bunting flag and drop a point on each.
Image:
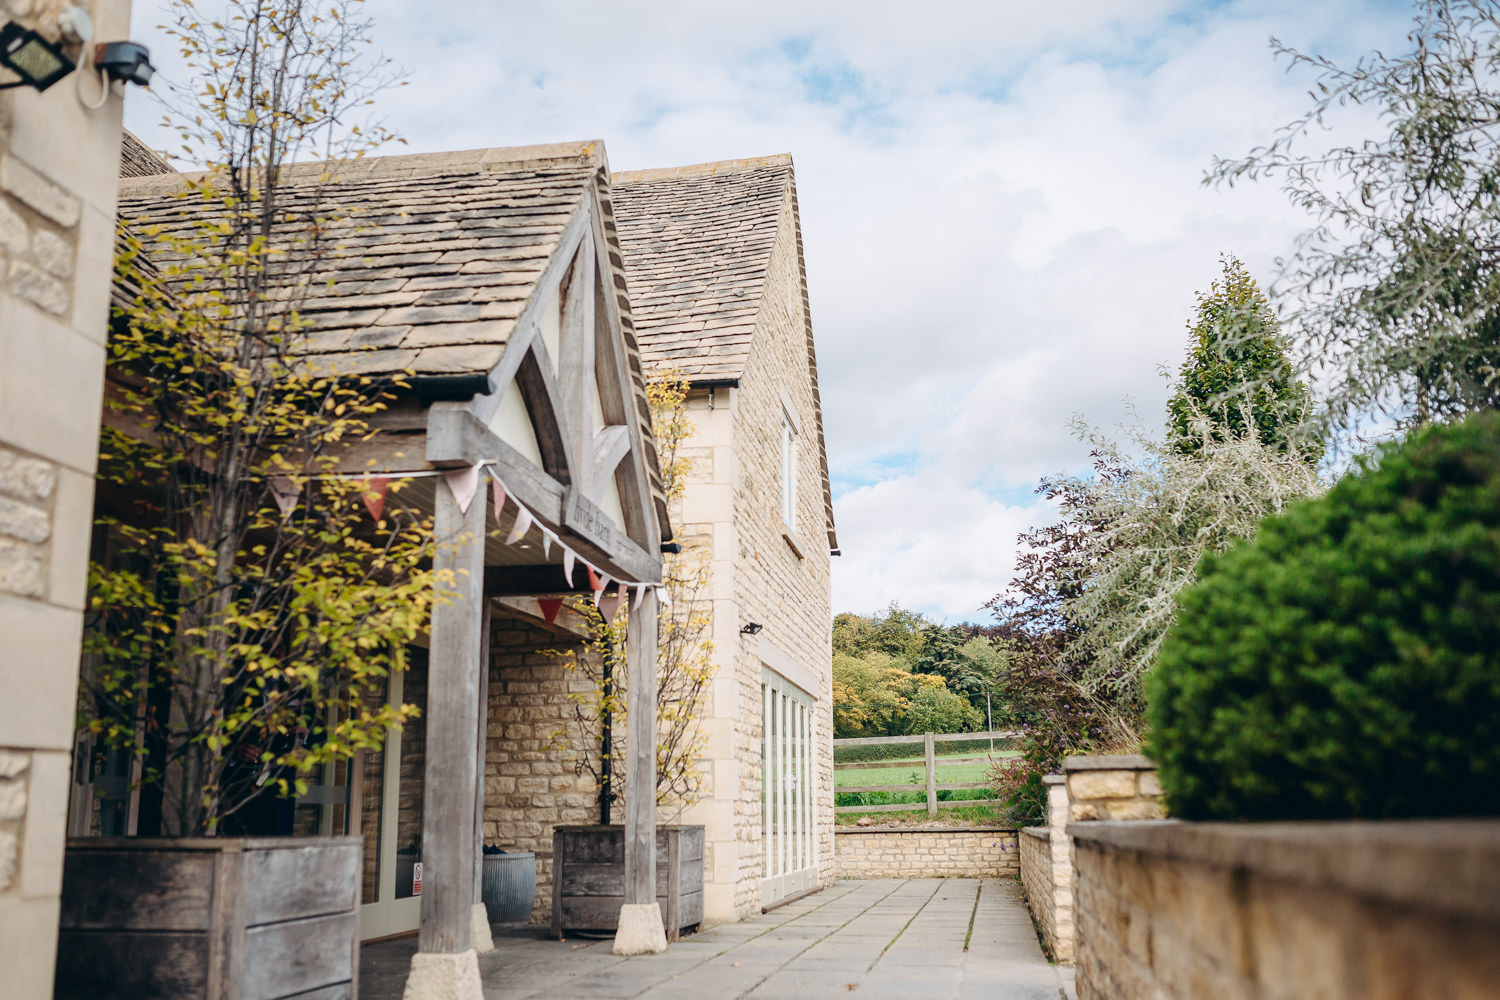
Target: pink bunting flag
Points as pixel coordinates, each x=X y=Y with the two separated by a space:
x=609 y=605
x=285 y=493
x=568 y=558
x=376 y=487
x=550 y=607
x=497 y=492
x=594 y=583
x=522 y=525
x=463 y=484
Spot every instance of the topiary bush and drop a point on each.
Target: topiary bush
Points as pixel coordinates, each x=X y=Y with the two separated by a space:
x=1345 y=662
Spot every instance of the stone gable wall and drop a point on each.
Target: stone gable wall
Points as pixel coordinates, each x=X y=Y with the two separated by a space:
x=732 y=512
x=927 y=853
x=58 y=177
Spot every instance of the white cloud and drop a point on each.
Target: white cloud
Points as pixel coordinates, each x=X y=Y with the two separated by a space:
x=1001 y=206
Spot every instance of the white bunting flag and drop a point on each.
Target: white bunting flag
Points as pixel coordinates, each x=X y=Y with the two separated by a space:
x=522 y=525
x=497 y=489
x=663 y=598
x=640 y=595
x=568 y=558
x=547 y=538
x=285 y=493
x=609 y=605
x=463 y=484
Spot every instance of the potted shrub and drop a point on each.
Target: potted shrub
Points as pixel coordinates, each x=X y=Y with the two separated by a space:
x=245 y=613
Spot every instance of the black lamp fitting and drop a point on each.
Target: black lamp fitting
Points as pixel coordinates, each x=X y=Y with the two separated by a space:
x=127 y=61
x=752 y=628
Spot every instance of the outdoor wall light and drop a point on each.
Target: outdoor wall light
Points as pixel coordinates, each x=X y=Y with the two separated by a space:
x=753 y=628
x=35 y=60
x=127 y=61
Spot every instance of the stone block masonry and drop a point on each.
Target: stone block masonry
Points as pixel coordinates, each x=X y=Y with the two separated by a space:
x=1396 y=910
x=530 y=785
x=1036 y=876
x=918 y=853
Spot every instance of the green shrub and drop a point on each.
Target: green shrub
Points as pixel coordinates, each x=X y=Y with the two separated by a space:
x=1346 y=661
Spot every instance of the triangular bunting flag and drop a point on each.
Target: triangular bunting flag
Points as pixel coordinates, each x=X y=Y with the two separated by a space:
x=640 y=595
x=547 y=537
x=594 y=583
x=609 y=605
x=376 y=487
x=285 y=493
x=522 y=525
x=568 y=558
x=550 y=607
x=663 y=598
x=463 y=484
x=497 y=491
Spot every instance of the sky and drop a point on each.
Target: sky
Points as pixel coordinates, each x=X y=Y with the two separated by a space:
x=1002 y=208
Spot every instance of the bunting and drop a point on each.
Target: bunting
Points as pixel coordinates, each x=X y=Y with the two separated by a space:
x=610 y=604
x=550 y=608
x=285 y=493
x=498 y=492
x=522 y=525
x=463 y=484
x=376 y=487
x=568 y=559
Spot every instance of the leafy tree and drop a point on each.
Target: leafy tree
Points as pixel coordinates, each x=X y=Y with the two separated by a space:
x=235 y=648
x=1237 y=369
x=1397 y=285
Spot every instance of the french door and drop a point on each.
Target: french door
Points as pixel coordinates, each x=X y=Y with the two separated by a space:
x=788 y=805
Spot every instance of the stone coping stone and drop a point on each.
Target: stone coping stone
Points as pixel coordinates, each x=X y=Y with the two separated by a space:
x=1054 y=779
x=1451 y=865
x=1109 y=762
x=1039 y=832
x=928 y=830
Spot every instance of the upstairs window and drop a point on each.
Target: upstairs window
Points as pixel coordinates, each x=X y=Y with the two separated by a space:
x=788 y=472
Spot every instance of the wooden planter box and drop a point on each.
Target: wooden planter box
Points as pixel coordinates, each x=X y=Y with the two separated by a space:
x=255 y=918
x=588 y=877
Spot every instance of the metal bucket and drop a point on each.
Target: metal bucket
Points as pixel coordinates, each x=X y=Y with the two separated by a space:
x=509 y=887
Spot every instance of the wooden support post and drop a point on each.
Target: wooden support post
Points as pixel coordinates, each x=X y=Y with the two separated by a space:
x=931 y=776
x=640 y=754
x=483 y=739
x=448 y=786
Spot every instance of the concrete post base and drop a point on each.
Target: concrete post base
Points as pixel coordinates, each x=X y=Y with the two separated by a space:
x=640 y=931
x=443 y=977
x=479 y=929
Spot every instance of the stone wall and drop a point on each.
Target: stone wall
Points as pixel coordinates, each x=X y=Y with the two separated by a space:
x=1036 y=877
x=761 y=573
x=957 y=853
x=1119 y=787
x=530 y=786
x=57 y=204
x=1338 y=911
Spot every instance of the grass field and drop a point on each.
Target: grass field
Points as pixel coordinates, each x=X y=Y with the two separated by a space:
x=909 y=785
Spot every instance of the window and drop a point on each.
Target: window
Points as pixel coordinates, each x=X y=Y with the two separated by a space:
x=788 y=471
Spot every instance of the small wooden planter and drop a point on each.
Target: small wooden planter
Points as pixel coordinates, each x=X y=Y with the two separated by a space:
x=255 y=918
x=588 y=878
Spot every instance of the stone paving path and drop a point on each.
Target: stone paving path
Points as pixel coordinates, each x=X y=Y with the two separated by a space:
x=879 y=940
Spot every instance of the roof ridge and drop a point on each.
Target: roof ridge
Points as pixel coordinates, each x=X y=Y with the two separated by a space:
x=699 y=169
x=586 y=153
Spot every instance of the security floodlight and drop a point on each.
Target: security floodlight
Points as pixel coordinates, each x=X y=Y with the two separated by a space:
x=35 y=60
x=127 y=61
x=752 y=628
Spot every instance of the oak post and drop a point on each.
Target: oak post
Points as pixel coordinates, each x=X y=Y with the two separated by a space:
x=640 y=753
x=931 y=775
x=452 y=719
x=483 y=738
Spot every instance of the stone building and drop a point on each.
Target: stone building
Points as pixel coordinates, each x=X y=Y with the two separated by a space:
x=713 y=254
x=57 y=207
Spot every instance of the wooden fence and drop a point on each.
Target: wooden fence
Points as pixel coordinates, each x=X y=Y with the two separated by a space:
x=929 y=742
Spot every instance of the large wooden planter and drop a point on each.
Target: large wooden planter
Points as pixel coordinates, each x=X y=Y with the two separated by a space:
x=588 y=877
x=256 y=918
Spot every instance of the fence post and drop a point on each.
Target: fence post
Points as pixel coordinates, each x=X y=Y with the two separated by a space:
x=931 y=776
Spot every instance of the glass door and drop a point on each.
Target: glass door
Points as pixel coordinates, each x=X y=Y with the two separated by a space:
x=391 y=820
x=788 y=808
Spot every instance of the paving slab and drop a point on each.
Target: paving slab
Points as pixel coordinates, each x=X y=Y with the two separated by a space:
x=903 y=939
